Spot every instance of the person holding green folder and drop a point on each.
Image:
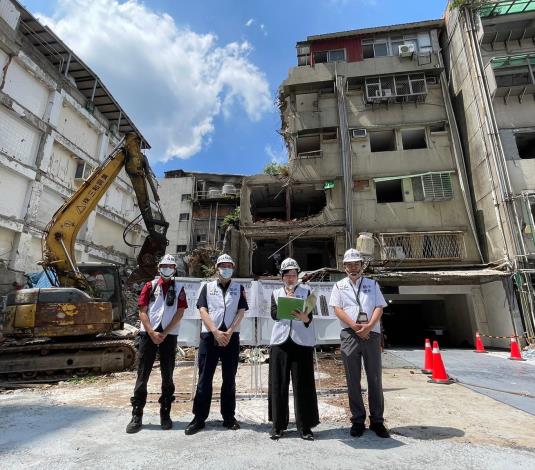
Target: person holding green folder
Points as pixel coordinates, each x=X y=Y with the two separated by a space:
x=292 y=355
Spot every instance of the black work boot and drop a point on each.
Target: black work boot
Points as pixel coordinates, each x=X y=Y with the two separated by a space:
x=137 y=420
x=165 y=418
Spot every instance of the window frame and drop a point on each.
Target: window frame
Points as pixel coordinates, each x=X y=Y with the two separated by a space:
x=328 y=53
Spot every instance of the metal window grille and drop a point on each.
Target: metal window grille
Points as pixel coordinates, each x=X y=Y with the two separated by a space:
x=422 y=246
x=396 y=88
x=437 y=186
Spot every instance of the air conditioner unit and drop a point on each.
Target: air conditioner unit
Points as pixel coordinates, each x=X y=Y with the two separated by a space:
x=359 y=133
x=387 y=92
x=406 y=50
x=394 y=252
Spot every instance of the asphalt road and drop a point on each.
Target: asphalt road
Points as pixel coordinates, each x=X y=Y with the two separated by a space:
x=492 y=374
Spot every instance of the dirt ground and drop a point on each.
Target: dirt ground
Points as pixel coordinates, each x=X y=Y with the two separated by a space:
x=414 y=407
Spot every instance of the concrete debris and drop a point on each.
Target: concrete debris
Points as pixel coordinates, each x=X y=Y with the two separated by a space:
x=132 y=316
x=250 y=356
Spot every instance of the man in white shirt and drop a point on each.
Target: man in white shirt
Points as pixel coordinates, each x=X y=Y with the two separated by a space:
x=358 y=303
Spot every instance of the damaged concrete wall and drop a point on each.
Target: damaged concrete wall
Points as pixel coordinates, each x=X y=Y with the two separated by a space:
x=46 y=133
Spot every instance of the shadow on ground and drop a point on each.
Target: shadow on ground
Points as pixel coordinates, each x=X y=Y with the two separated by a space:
x=427 y=432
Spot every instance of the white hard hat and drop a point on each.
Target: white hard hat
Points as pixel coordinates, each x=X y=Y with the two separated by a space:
x=224 y=258
x=289 y=263
x=352 y=255
x=167 y=259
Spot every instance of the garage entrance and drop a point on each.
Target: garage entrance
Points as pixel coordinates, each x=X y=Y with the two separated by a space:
x=409 y=320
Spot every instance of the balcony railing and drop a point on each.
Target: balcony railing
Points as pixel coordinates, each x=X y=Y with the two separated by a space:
x=422 y=246
x=217 y=193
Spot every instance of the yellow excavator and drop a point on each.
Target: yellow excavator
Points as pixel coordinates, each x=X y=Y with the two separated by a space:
x=66 y=330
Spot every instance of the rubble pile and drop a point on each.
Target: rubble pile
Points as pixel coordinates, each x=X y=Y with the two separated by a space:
x=132 y=316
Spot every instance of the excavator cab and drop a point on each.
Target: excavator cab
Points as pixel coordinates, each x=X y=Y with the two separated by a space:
x=106 y=281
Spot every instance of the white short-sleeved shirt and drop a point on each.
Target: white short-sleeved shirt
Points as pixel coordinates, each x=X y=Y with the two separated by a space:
x=370 y=296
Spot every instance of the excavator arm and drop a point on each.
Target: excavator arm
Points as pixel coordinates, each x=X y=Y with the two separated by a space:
x=60 y=234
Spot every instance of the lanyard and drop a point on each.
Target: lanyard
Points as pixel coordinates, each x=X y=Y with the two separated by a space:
x=357 y=294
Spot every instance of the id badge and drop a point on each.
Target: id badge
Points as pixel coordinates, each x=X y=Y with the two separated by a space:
x=362 y=317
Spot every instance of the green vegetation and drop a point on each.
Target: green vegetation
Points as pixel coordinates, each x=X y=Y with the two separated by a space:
x=276 y=169
x=467 y=3
x=231 y=219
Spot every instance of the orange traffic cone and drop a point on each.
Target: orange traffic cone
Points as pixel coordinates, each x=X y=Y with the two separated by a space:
x=515 y=351
x=479 y=344
x=439 y=371
x=428 y=358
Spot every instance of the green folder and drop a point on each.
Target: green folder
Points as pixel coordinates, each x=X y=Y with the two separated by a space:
x=286 y=305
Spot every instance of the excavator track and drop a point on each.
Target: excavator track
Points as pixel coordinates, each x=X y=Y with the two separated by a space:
x=41 y=362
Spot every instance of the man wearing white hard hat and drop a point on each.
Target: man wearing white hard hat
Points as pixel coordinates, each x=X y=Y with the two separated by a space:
x=222 y=305
x=161 y=306
x=358 y=303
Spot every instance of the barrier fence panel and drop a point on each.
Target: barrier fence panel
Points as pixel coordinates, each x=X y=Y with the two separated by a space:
x=189 y=332
x=255 y=328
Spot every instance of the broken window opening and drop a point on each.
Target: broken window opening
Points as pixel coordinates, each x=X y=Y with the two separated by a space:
x=329 y=134
x=268 y=202
x=436 y=128
x=181 y=248
x=264 y=262
x=382 y=141
x=308 y=146
x=183 y=216
x=525 y=143
x=314 y=253
x=413 y=139
x=306 y=201
x=389 y=191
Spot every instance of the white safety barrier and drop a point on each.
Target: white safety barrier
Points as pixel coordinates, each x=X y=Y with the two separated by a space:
x=255 y=328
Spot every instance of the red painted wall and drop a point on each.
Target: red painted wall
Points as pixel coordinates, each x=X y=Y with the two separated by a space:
x=353 y=47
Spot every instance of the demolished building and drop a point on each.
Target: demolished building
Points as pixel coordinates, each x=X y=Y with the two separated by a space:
x=57 y=123
x=196 y=204
x=374 y=151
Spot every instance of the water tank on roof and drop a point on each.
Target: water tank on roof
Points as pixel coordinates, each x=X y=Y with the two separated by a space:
x=229 y=189
x=365 y=244
x=213 y=192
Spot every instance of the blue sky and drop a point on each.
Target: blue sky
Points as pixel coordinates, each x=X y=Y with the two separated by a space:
x=199 y=79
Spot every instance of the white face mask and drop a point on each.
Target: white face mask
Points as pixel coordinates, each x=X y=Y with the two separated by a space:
x=226 y=273
x=289 y=285
x=167 y=272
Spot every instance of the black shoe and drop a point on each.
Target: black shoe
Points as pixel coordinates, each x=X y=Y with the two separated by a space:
x=357 y=429
x=231 y=424
x=380 y=430
x=194 y=427
x=165 y=419
x=275 y=434
x=307 y=434
x=136 y=422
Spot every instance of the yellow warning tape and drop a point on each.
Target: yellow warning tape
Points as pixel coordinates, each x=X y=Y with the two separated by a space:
x=522 y=335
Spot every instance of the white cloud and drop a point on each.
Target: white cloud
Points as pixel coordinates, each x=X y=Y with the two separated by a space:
x=250 y=21
x=171 y=81
x=276 y=156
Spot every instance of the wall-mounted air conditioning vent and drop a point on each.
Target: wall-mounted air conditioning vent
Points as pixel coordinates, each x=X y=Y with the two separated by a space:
x=406 y=50
x=358 y=133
